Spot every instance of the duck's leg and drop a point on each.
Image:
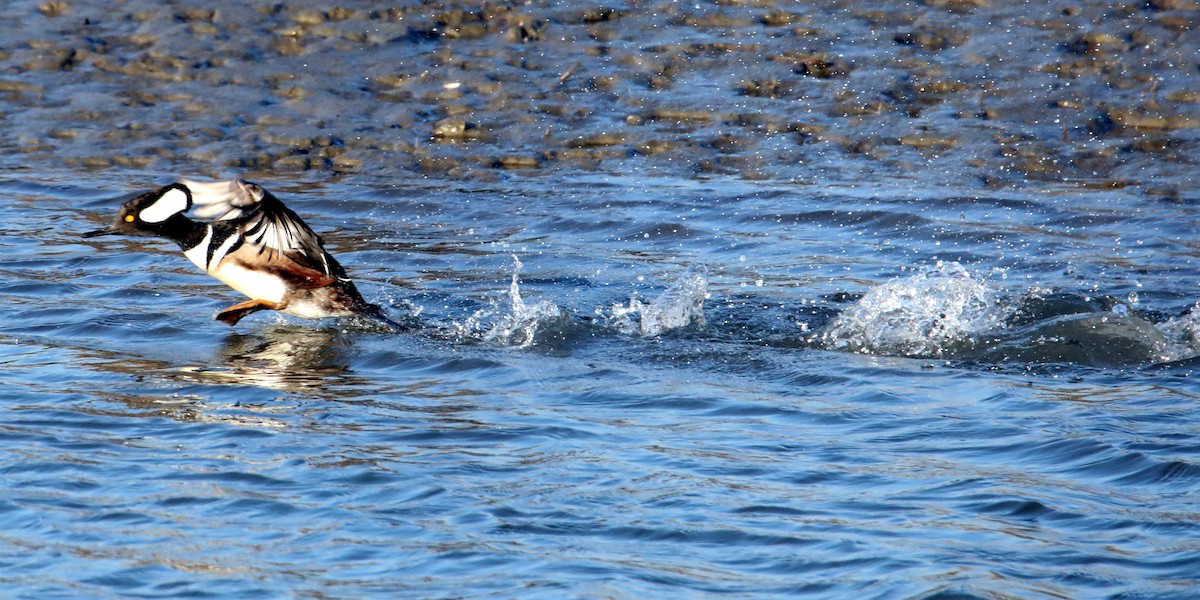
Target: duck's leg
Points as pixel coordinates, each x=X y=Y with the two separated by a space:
x=234 y=313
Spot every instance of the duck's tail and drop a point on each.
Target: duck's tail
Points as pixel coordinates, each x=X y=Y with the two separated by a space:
x=375 y=313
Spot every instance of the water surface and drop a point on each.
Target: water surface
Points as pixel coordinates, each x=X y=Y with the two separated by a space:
x=654 y=353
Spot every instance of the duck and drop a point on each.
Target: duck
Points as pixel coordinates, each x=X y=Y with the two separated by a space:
x=252 y=243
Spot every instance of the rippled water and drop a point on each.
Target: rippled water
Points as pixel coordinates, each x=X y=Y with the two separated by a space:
x=151 y=451
x=729 y=299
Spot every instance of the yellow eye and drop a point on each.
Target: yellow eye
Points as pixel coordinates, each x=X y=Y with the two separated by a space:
x=128 y=218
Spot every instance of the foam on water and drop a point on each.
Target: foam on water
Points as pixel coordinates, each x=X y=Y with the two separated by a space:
x=520 y=325
x=680 y=305
x=926 y=315
x=1182 y=334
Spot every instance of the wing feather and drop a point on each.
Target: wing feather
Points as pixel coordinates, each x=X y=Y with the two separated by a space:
x=222 y=200
x=264 y=221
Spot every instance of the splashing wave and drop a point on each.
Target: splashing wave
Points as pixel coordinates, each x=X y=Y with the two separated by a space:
x=929 y=314
x=680 y=305
x=1182 y=334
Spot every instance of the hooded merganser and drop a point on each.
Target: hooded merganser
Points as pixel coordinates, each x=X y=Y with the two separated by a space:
x=255 y=245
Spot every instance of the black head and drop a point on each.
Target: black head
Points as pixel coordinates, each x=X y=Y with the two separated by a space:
x=149 y=213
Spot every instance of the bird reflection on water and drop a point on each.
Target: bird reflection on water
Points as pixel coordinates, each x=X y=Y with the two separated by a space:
x=285 y=358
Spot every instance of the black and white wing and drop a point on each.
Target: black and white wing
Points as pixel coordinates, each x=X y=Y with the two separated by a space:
x=264 y=221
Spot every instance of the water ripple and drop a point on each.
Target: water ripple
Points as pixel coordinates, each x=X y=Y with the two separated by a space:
x=988 y=430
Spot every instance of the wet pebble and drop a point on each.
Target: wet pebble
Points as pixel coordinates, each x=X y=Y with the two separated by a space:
x=517 y=162
x=1118 y=117
x=598 y=140
x=815 y=64
x=807 y=132
x=715 y=20
x=1178 y=23
x=928 y=142
x=933 y=41
x=436 y=164
x=54 y=9
x=766 y=88
x=300 y=163
x=585 y=157
x=958 y=5
x=456 y=128
x=19 y=87
x=1095 y=43
x=596 y=15
x=589 y=85
x=781 y=18
x=196 y=14
x=729 y=143
x=679 y=115
x=308 y=17
x=1184 y=97
x=602 y=83
x=1171 y=4
x=657 y=146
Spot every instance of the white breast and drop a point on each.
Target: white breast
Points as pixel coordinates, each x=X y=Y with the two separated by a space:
x=254 y=284
x=198 y=254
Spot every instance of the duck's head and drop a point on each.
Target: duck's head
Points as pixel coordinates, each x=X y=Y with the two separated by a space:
x=149 y=213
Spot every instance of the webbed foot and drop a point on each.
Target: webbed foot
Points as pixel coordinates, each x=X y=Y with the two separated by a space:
x=234 y=313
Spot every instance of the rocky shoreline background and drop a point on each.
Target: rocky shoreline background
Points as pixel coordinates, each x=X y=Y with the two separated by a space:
x=973 y=93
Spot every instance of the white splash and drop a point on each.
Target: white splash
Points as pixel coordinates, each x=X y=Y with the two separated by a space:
x=519 y=327
x=925 y=315
x=1182 y=334
x=680 y=305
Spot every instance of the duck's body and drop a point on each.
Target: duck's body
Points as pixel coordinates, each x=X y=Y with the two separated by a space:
x=255 y=245
x=273 y=279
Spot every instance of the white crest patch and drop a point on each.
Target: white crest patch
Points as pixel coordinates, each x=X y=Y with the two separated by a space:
x=173 y=202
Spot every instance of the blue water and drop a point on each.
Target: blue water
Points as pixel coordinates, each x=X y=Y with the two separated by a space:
x=722 y=299
x=150 y=451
